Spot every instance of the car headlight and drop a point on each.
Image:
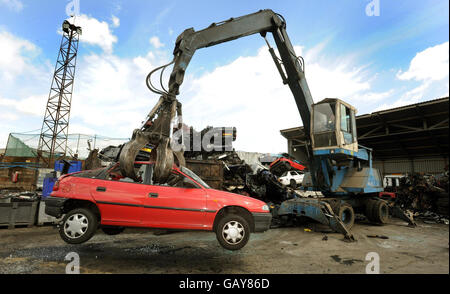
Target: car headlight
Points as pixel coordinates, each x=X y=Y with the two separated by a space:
x=265 y=207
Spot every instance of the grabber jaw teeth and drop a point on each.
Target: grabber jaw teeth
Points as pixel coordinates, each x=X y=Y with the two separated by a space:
x=163 y=156
x=129 y=152
x=164 y=161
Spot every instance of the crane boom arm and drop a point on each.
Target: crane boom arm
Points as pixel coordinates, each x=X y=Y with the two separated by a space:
x=157 y=130
x=260 y=22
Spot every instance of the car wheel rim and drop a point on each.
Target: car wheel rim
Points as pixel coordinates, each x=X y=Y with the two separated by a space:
x=233 y=232
x=76 y=226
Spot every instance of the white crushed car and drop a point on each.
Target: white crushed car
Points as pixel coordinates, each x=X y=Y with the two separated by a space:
x=291 y=178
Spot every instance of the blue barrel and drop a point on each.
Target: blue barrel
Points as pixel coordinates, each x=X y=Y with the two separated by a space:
x=47 y=188
x=75 y=166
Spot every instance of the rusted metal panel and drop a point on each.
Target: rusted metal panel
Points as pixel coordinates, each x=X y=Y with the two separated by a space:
x=432 y=165
x=209 y=170
x=397 y=166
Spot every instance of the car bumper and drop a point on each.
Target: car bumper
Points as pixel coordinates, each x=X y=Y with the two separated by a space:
x=262 y=221
x=54 y=206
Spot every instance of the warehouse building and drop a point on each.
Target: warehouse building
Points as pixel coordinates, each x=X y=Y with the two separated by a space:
x=412 y=138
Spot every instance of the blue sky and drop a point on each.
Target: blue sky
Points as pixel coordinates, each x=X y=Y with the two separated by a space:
x=373 y=62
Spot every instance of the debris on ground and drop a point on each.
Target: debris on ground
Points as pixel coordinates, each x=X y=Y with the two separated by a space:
x=378 y=236
x=429 y=217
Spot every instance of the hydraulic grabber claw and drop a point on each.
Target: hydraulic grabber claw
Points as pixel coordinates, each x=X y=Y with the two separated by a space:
x=156 y=132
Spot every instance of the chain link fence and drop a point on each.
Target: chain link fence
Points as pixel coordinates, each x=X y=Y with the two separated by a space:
x=25 y=145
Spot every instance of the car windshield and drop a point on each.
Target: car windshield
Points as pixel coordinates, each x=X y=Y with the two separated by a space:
x=194 y=177
x=324 y=120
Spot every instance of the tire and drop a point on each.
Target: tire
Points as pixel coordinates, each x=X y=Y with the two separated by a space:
x=224 y=235
x=377 y=211
x=369 y=209
x=113 y=230
x=346 y=213
x=293 y=184
x=78 y=226
x=381 y=212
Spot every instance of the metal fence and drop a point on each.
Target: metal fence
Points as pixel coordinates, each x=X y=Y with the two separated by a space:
x=25 y=145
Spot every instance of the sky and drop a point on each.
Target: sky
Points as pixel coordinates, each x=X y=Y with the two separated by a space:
x=374 y=55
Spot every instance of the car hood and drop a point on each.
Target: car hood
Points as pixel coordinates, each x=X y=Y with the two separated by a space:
x=223 y=198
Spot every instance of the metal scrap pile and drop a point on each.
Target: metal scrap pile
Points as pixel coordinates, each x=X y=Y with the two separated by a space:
x=7 y=196
x=253 y=180
x=426 y=195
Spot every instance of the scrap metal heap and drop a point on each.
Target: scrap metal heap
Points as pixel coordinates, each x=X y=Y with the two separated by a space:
x=426 y=195
x=253 y=180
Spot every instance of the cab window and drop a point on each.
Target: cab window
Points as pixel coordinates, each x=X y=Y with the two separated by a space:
x=346 y=124
x=324 y=120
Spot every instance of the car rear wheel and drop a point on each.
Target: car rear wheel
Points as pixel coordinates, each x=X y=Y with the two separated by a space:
x=293 y=184
x=233 y=232
x=78 y=226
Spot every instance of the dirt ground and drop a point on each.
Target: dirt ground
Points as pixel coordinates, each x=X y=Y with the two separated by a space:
x=424 y=249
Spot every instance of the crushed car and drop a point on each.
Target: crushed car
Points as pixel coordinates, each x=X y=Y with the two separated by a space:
x=291 y=178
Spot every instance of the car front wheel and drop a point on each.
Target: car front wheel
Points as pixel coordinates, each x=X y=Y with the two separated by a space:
x=78 y=226
x=233 y=232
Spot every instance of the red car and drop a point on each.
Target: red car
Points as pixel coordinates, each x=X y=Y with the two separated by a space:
x=103 y=198
x=283 y=164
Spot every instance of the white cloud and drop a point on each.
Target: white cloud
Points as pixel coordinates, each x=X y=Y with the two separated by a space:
x=15 y=5
x=96 y=32
x=115 y=21
x=428 y=71
x=248 y=93
x=411 y=97
x=76 y=128
x=430 y=64
x=8 y=116
x=13 y=55
x=110 y=95
x=371 y=97
x=335 y=82
x=31 y=105
x=156 y=42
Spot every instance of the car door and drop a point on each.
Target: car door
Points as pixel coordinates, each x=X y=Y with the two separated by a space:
x=295 y=176
x=180 y=205
x=120 y=201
